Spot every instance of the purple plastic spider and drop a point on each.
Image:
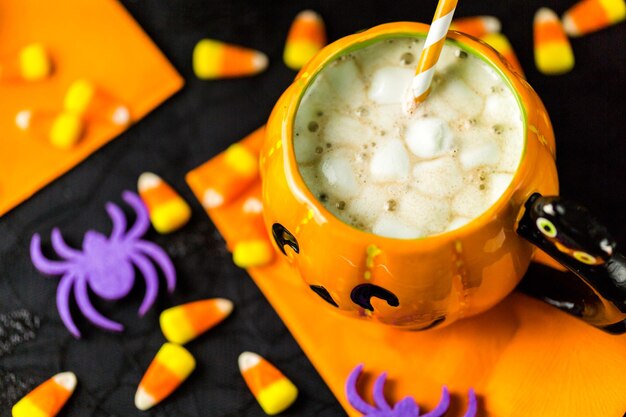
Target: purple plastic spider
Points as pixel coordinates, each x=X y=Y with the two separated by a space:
x=406 y=407
x=105 y=266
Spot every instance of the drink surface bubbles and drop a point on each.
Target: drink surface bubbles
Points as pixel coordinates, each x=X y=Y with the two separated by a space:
x=407 y=176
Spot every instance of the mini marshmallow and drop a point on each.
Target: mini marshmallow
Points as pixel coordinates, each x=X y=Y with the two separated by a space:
x=430 y=215
x=389 y=225
x=480 y=81
x=338 y=173
x=501 y=109
x=346 y=77
x=496 y=185
x=486 y=153
x=390 y=161
x=389 y=84
x=428 y=138
x=341 y=130
x=460 y=97
x=439 y=177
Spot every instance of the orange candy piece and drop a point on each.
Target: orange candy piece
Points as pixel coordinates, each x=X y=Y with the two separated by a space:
x=85 y=98
x=232 y=172
x=48 y=398
x=590 y=15
x=168 y=211
x=185 y=322
x=553 y=52
x=214 y=59
x=62 y=129
x=306 y=36
x=170 y=368
x=274 y=392
x=476 y=26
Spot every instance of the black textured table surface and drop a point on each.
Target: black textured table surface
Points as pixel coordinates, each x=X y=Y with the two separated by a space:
x=586 y=106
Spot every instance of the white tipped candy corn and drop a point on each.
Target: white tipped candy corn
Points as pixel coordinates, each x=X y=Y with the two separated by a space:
x=168 y=211
x=274 y=392
x=170 y=367
x=48 y=398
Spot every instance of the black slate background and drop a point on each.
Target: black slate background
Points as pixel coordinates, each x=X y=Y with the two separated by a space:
x=587 y=110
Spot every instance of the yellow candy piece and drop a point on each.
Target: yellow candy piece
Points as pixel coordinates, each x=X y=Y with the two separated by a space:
x=48 y=398
x=241 y=160
x=306 y=37
x=553 y=52
x=214 y=59
x=66 y=129
x=183 y=323
x=79 y=96
x=168 y=211
x=169 y=368
x=273 y=390
x=34 y=62
x=251 y=253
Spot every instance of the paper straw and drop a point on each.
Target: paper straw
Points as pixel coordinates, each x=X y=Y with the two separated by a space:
x=420 y=86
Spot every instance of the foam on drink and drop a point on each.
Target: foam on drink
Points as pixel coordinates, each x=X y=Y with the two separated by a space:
x=407 y=176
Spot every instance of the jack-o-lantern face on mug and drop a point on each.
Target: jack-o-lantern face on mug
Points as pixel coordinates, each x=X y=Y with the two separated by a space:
x=407 y=283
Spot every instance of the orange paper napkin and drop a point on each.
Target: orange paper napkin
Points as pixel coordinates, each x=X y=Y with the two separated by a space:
x=95 y=39
x=523 y=357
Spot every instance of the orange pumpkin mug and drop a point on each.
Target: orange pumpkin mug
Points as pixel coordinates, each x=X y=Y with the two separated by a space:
x=429 y=282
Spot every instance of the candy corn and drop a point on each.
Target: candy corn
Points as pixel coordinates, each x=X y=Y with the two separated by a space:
x=477 y=26
x=229 y=173
x=306 y=36
x=251 y=246
x=183 y=323
x=168 y=211
x=500 y=43
x=274 y=392
x=48 y=398
x=590 y=15
x=83 y=97
x=32 y=63
x=214 y=59
x=170 y=367
x=62 y=130
x=553 y=52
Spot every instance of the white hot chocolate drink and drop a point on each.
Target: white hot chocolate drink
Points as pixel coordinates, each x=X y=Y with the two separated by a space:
x=407 y=176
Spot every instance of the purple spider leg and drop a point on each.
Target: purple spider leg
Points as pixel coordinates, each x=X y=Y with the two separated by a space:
x=353 y=395
x=118 y=219
x=379 y=394
x=43 y=264
x=442 y=407
x=62 y=248
x=159 y=256
x=85 y=306
x=472 y=406
x=142 y=222
x=152 y=282
x=63 y=304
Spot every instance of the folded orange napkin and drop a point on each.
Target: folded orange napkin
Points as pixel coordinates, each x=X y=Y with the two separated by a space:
x=97 y=40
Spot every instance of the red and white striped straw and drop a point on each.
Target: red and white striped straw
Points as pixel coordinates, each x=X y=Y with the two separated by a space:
x=420 y=86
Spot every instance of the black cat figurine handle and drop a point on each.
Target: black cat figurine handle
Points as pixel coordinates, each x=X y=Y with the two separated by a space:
x=572 y=236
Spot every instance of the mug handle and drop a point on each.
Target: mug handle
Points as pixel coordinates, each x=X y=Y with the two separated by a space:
x=568 y=233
